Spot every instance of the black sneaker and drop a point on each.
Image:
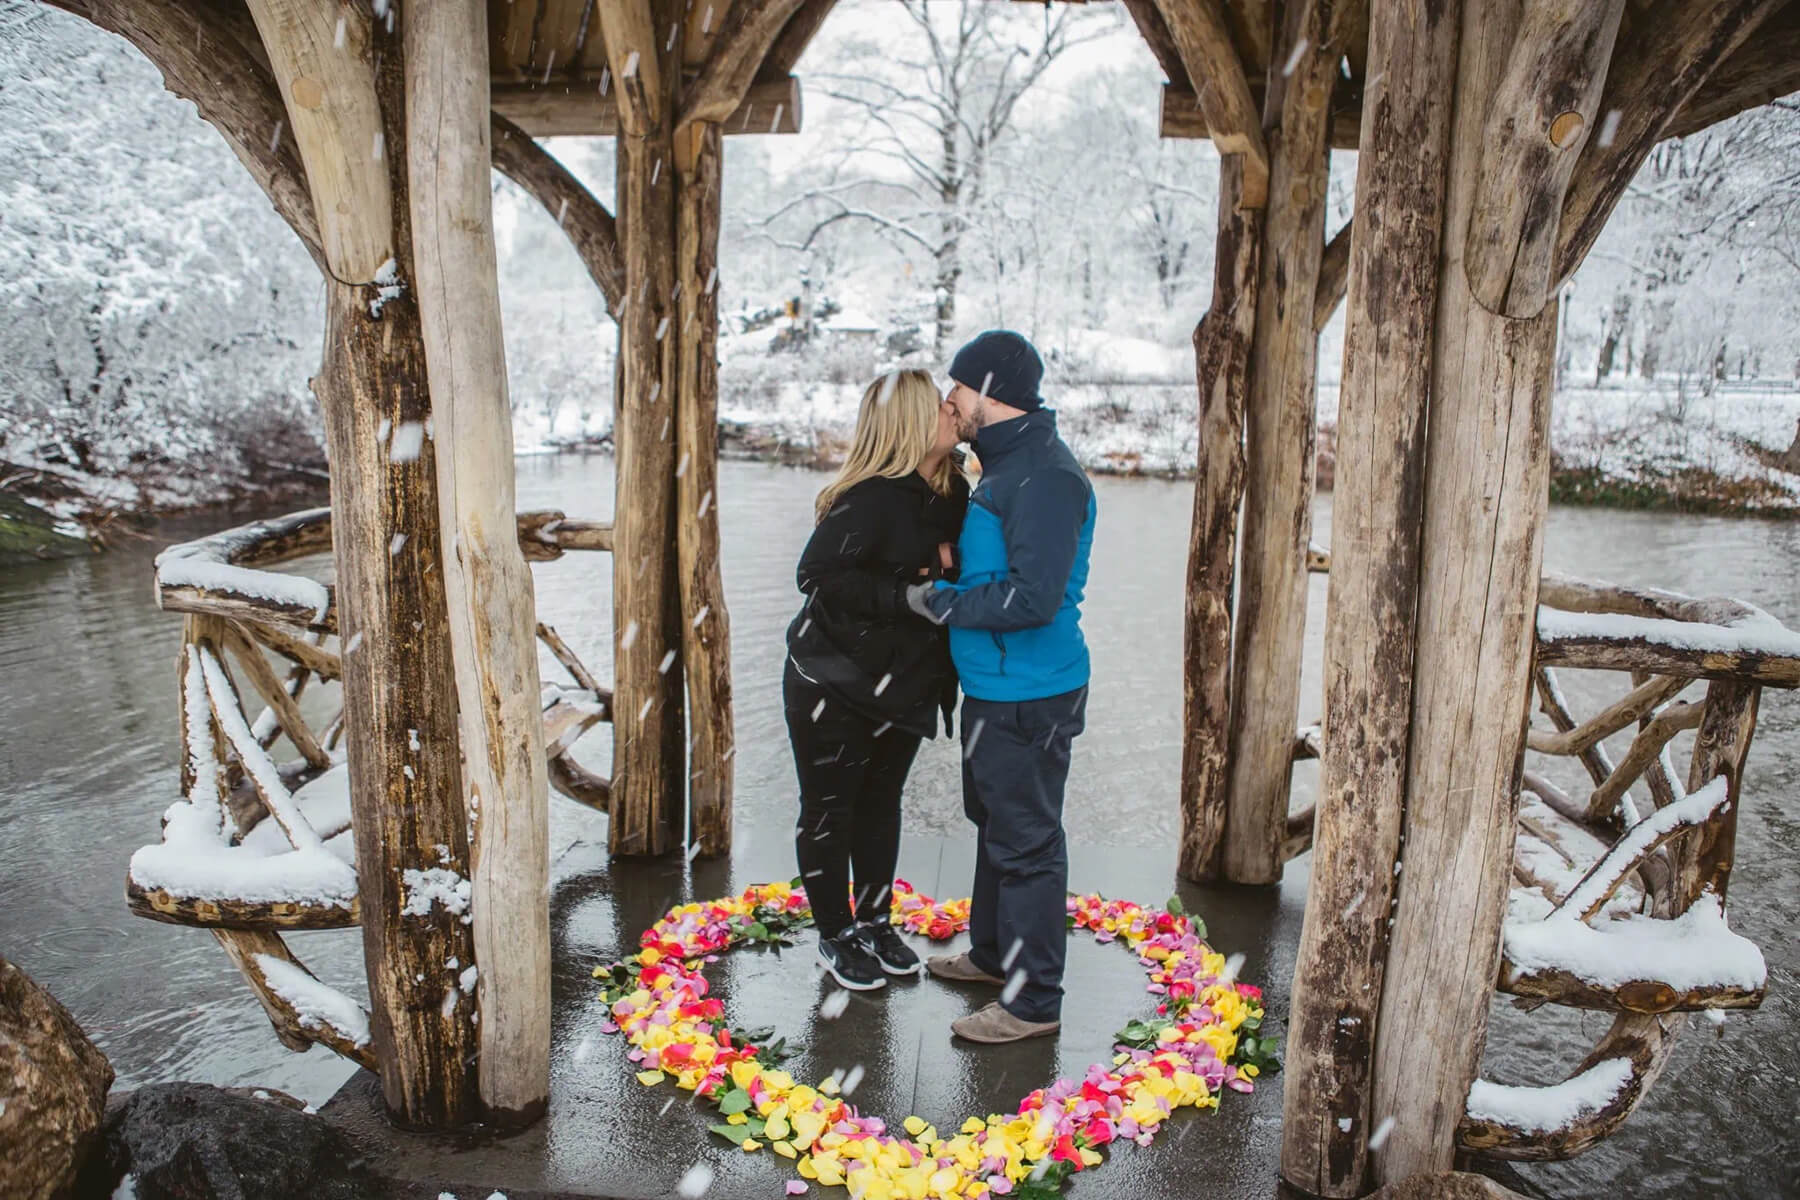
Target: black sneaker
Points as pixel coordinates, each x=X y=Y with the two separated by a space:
x=848 y=961
x=884 y=943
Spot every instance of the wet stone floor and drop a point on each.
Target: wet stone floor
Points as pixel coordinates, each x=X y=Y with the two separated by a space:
x=607 y=1135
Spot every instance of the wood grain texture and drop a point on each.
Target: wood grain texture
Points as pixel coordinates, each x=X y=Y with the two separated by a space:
x=1370 y=640
x=739 y=46
x=1222 y=365
x=491 y=607
x=1203 y=40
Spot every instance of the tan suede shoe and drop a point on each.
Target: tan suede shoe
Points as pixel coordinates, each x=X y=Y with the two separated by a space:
x=994 y=1024
x=960 y=968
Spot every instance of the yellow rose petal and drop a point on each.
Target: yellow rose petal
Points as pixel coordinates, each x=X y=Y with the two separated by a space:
x=785 y=1149
x=650 y=1078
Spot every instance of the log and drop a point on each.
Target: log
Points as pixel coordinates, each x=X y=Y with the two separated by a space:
x=275 y=694
x=1660 y=775
x=1763 y=68
x=575 y=534
x=1203 y=40
x=1645 y=1040
x=1180 y=116
x=338 y=126
x=1481 y=556
x=1645 y=748
x=492 y=621
x=1721 y=747
x=1280 y=432
x=580 y=784
x=1553 y=705
x=794 y=38
x=705 y=621
x=1369 y=634
x=399 y=688
x=1298 y=837
x=1637 y=996
x=292 y=644
x=1222 y=364
x=1334 y=278
x=648 y=775
x=739 y=46
x=1539 y=118
x=1609 y=653
x=248 y=952
x=589 y=227
x=637 y=60
x=1641 y=701
x=160 y=904
x=577 y=670
x=1446 y=1185
x=238 y=606
x=1155 y=32
x=560 y=109
x=1677 y=45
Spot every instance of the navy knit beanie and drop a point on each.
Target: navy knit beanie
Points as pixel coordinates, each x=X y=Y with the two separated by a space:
x=1003 y=366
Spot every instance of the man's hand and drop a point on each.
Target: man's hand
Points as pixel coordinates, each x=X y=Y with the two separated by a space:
x=916 y=594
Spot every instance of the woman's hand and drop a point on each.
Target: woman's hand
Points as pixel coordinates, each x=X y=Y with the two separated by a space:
x=946 y=556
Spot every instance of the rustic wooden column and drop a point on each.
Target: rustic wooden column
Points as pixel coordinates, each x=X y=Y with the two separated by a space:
x=399 y=690
x=649 y=761
x=1242 y=667
x=1377 y=511
x=492 y=612
x=1222 y=364
x=1280 y=426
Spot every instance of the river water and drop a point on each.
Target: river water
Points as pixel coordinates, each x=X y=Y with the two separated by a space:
x=88 y=760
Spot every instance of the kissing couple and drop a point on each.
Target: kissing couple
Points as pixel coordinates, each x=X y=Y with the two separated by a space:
x=917 y=582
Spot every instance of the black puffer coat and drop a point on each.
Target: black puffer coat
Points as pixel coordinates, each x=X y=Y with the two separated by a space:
x=854 y=636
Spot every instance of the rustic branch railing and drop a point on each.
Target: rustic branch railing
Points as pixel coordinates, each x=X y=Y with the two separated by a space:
x=257 y=847
x=1618 y=902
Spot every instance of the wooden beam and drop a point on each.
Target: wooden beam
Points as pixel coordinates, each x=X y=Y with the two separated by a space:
x=1481 y=550
x=1720 y=748
x=275 y=694
x=160 y=904
x=1370 y=635
x=1155 y=32
x=1764 y=68
x=491 y=608
x=581 y=217
x=798 y=34
x=1538 y=120
x=1204 y=42
x=772 y=105
x=738 y=50
x=632 y=52
x=1609 y=653
x=1334 y=283
x=1182 y=117
x=321 y=61
x=1222 y=343
x=1639 y=702
x=1676 y=45
x=706 y=624
x=1280 y=432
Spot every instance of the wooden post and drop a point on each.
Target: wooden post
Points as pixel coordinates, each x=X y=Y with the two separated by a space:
x=1486 y=490
x=1377 y=512
x=1279 y=437
x=731 y=45
x=1222 y=363
x=492 y=614
x=399 y=688
x=649 y=765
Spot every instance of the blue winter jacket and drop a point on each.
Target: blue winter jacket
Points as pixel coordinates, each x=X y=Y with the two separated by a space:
x=1015 y=610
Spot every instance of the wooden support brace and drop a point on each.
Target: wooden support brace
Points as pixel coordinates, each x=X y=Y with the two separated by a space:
x=1334 y=275
x=275 y=694
x=632 y=51
x=582 y=218
x=1639 y=702
x=1645 y=748
x=1203 y=40
x=1538 y=120
x=738 y=50
x=794 y=38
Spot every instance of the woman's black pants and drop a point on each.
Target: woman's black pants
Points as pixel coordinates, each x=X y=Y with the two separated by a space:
x=851 y=771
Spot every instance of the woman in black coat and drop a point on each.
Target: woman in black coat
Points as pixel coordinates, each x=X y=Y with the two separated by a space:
x=866 y=677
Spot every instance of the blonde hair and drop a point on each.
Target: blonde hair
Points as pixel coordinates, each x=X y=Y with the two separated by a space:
x=895 y=427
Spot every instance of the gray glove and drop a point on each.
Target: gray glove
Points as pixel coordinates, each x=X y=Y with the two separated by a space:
x=916 y=595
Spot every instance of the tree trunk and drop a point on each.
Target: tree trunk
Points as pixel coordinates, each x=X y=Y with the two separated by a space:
x=705 y=626
x=1377 y=512
x=1481 y=552
x=1222 y=363
x=1279 y=436
x=648 y=734
x=492 y=614
x=399 y=688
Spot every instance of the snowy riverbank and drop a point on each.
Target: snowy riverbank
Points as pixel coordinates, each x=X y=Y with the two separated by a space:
x=1643 y=445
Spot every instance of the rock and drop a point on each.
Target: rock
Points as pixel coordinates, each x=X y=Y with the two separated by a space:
x=193 y=1141
x=52 y=1089
x=28 y=534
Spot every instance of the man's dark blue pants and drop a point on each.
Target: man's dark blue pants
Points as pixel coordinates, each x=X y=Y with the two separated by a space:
x=1015 y=763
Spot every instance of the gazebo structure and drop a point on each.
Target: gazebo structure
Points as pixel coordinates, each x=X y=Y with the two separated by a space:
x=1495 y=137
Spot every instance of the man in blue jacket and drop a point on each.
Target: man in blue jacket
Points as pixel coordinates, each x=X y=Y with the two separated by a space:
x=1014 y=615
